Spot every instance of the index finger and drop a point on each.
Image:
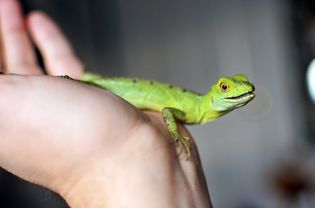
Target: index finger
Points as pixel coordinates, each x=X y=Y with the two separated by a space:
x=59 y=57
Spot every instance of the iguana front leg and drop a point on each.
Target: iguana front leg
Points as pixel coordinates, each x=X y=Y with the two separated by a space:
x=169 y=116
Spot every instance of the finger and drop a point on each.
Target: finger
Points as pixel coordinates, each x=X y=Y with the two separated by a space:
x=18 y=53
x=58 y=55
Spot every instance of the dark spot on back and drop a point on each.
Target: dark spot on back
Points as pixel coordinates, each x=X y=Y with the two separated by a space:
x=170 y=86
x=184 y=90
x=134 y=81
x=151 y=82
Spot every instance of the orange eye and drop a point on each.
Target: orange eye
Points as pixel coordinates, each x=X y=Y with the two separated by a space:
x=224 y=86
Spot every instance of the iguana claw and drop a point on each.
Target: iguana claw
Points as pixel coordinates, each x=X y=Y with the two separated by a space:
x=184 y=144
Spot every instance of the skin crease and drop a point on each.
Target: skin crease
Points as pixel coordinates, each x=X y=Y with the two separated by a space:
x=90 y=146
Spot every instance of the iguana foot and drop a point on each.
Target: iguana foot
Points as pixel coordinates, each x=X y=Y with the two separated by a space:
x=184 y=145
x=169 y=115
x=65 y=76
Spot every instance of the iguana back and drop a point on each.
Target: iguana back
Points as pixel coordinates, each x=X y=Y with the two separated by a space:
x=146 y=94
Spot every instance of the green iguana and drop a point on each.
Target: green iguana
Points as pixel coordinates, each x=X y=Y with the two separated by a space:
x=176 y=103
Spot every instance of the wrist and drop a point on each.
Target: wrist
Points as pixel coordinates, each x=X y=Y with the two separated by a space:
x=108 y=178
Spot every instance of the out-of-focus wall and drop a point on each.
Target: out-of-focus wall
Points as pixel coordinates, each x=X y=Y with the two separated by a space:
x=192 y=43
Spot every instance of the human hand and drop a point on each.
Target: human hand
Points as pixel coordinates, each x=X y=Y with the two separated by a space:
x=90 y=146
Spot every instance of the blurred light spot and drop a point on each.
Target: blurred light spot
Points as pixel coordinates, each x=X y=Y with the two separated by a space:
x=310 y=80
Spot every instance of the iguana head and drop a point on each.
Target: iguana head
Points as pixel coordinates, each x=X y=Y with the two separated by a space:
x=230 y=93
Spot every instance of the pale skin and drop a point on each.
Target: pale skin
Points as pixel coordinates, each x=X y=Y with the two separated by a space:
x=90 y=146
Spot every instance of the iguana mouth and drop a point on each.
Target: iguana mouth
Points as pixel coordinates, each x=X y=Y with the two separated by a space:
x=249 y=95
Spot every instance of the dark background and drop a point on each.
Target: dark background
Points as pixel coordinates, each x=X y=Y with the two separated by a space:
x=259 y=156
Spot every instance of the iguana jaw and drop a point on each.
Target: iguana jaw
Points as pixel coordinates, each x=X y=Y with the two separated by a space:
x=241 y=98
x=238 y=101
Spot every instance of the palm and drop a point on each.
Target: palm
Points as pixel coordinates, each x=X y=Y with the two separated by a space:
x=93 y=121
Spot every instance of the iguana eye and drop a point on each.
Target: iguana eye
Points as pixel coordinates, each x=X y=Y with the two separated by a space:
x=224 y=86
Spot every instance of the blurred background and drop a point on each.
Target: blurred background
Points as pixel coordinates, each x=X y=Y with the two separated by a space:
x=260 y=156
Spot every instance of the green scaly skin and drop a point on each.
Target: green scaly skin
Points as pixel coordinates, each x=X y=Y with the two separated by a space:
x=176 y=103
